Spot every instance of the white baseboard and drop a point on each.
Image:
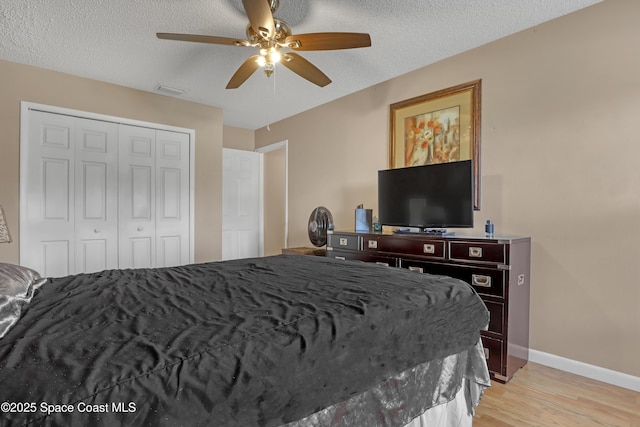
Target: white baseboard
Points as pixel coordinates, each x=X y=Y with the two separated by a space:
x=584 y=369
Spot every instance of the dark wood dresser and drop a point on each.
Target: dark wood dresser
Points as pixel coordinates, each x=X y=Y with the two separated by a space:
x=497 y=267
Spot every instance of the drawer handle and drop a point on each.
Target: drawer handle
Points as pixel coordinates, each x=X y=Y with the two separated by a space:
x=373 y=244
x=416 y=269
x=428 y=248
x=481 y=280
x=343 y=241
x=386 y=264
x=475 y=252
x=341 y=258
x=486 y=353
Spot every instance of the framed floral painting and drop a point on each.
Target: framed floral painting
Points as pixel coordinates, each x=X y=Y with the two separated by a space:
x=438 y=127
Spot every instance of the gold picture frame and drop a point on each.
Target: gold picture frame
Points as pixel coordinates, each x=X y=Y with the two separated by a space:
x=442 y=126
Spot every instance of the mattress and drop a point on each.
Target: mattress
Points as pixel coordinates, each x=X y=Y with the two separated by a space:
x=263 y=341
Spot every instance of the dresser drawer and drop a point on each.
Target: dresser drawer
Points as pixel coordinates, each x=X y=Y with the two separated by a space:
x=496 y=316
x=481 y=252
x=486 y=281
x=362 y=256
x=493 y=353
x=343 y=241
x=412 y=246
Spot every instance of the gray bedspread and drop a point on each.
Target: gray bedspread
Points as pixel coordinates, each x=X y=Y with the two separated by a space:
x=263 y=341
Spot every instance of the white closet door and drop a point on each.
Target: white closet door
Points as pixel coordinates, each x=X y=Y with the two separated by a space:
x=96 y=195
x=137 y=197
x=47 y=238
x=71 y=215
x=172 y=198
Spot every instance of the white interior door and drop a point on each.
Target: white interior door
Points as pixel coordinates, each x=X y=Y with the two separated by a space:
x=241 y=194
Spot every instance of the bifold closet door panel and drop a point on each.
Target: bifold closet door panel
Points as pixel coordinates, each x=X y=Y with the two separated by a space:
x=172 y=198
x=137 y=197
x=47 y=237
x=96 y=195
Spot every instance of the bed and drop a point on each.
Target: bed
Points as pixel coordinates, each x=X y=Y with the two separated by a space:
x=284 y=340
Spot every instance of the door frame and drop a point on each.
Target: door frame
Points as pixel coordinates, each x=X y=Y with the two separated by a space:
x=26 y=106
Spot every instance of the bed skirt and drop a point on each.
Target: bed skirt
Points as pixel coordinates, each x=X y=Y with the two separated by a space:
x=442 y=392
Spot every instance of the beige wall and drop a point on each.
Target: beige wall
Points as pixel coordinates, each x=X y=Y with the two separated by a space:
x=274 y=201
x=559 y=163
x=24 y=83
x=238 y=138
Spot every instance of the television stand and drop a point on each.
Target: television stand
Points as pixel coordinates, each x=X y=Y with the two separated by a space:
x=442 y=232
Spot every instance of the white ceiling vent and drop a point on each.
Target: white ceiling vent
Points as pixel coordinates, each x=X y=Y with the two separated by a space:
x=168 y=90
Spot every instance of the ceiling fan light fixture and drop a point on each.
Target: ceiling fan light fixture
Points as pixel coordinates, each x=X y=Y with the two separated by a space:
x=268 y=58
x=275 y=55
x=268 y=68
x=271 y=54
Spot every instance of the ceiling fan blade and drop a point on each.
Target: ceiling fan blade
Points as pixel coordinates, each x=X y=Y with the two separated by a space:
x=244 y=72
x=260 y=17
x=305 y=69
x=203 y=39
x=328 y=41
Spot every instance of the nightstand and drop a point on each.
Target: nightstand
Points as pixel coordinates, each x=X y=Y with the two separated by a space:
x=304 y=251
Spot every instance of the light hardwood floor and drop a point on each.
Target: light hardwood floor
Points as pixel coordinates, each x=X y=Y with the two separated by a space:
x=543 y=397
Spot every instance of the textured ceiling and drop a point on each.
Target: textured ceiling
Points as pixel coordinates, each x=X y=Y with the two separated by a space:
x=114 y=41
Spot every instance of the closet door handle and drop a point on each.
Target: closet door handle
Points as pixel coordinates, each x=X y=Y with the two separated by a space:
x=140 y=228
x=96 y=230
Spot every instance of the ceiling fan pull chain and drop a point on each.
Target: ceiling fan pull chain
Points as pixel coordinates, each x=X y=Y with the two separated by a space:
x=275 y=75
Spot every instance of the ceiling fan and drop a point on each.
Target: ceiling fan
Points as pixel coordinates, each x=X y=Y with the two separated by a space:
x=271 y=35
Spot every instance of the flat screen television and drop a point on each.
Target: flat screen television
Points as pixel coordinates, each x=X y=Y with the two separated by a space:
x=427 y=197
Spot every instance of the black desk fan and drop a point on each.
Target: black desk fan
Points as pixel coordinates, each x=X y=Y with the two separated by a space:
x=320 y=222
